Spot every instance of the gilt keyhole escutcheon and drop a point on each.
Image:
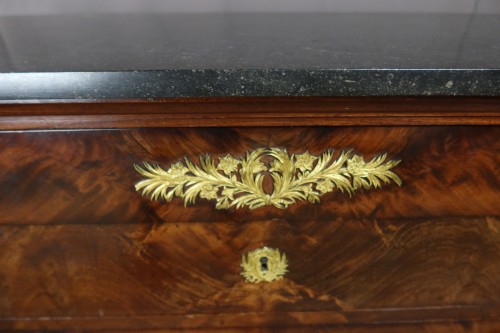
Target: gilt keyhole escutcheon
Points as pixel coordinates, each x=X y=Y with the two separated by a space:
x=264 y=265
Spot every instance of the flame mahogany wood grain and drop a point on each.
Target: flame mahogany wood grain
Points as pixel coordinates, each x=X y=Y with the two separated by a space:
x=81 y=250
x=87 y=177
x=186 y=275
x=453 y=327
x=258 y=111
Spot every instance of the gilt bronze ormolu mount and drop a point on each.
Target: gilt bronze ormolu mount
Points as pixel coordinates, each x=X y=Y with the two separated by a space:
x=238 y=182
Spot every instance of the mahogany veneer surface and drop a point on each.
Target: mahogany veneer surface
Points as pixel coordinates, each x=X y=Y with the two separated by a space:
x=188 y=274
x=88 y=177
x=82 y=250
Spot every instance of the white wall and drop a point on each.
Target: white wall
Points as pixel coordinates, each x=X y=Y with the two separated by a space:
x=37 y=7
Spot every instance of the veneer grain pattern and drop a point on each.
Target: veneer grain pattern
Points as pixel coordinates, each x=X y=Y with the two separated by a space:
x=343 y=271
x=88 y=177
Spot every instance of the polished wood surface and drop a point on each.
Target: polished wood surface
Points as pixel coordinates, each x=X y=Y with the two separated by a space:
x=185 y=275
x=444 y=327
x=246 y=111
x=87 y=177
x=81 y=250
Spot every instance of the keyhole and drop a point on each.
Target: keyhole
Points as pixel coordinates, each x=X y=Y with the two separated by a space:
x=263 y=264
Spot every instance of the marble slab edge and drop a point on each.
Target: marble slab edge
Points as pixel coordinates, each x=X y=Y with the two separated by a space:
x=153 y=84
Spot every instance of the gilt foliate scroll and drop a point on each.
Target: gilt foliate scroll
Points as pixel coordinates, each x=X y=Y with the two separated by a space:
x=238 y=182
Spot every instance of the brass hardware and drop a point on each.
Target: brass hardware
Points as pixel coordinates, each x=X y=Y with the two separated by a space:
x=263 y=264
x=238 y=182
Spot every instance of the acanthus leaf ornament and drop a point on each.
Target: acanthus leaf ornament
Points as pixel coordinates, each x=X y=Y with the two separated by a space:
x=237 y=183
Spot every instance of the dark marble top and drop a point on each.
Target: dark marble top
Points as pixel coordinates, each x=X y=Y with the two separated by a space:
x=190 y=55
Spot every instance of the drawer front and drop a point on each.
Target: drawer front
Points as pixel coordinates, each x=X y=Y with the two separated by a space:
x=82 y=249
x=87 y=177
x=139 y=276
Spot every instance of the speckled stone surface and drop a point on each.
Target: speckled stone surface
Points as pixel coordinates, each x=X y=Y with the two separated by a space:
x=199 y=55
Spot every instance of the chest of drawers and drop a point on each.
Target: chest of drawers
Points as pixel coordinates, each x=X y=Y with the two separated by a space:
x=137 y=194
